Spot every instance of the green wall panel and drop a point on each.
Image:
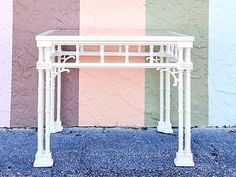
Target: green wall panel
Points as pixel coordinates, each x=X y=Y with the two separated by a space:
x=189 y=17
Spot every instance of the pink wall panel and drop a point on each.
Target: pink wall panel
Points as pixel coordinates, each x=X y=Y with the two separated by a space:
x=31 y=18
x=112 y=97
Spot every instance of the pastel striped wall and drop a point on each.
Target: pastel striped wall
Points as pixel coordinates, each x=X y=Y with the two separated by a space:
x=117 y=97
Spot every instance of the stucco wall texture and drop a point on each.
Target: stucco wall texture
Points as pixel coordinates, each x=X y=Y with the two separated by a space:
x=112 y=97
x=222 y=63
x=188 y=17
x=31 y=18
x=106 y=97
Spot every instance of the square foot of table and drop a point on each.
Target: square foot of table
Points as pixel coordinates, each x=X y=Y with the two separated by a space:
x=58 y=127
x=161 y=126
x=184 y=159
x=164 y=127
x=43 y=159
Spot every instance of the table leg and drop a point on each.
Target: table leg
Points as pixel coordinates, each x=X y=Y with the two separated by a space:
x=40 y=151
x=168 y=126
x=43 y=157
x=52 y=97
x=161 y=123
x=47 y=109
x=58 y=124
x=180 y=152
x=187 y=115
x=184 y=156
x=187 y=111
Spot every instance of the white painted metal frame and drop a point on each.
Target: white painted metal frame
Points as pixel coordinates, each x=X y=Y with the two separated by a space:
x=172 y=58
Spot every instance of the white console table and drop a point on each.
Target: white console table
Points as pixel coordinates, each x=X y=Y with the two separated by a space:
x=167 y=52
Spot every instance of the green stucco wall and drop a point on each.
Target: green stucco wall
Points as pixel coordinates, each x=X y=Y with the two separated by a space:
x=189 y=17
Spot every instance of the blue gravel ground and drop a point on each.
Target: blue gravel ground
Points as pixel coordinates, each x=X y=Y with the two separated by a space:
x=118 y=152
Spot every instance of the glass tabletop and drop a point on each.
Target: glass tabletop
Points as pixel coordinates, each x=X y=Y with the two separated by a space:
x=109 y=33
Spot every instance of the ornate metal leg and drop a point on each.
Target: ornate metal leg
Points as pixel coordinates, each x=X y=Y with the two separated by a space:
x=48 y=111
x=43 y=157
x=58 y=124
x=161 y=123
x=184 y=156
x=52 y=97
x=40 y=152
x=180 y=153
x=187 y=111
x=168 y=126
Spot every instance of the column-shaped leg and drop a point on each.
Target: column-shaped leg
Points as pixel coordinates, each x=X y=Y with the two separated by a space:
x=180 y=153
x=43 y=156
x=182 y=158
x=47 y=105
x=58 y=124
x=161 y=123
x=40 y=151
x=52 y=105
x=168 y=126
x=187 y=110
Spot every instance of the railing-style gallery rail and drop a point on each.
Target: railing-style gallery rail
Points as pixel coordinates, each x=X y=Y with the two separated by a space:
x=169 y=52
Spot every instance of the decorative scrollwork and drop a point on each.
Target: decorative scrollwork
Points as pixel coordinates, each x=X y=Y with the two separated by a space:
x=172 y=72
x=64 y=58
x=57 y=71
x=156 y=59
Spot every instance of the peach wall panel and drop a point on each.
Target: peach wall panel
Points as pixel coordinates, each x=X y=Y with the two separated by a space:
x=112 y=97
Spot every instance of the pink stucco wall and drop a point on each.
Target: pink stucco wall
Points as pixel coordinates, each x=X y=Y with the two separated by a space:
x=112 y=97
x=31 y=18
